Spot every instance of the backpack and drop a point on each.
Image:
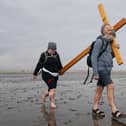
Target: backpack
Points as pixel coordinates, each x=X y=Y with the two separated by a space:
x=46 y=56
x=45 y=59
x=89 y=63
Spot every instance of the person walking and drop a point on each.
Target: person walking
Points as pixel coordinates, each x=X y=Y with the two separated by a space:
x=50 y=64
x=102 y=67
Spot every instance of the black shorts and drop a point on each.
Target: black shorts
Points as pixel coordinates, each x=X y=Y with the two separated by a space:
x=50 y=80
x=105 y=78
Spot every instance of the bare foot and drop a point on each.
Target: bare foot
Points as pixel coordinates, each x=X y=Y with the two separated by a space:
x=52 y=105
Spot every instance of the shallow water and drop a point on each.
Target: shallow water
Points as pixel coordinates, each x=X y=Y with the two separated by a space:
x=20 y=102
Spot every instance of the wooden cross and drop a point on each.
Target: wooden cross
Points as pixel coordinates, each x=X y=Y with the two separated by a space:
x=106 y=21
x=116 y=51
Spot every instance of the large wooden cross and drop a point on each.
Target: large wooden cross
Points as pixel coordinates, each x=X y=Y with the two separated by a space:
x=116 y=51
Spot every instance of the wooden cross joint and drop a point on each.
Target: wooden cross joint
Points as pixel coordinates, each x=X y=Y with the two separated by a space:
x=116 y=51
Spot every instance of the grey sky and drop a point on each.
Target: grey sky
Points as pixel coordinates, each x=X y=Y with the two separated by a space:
x=26 y=26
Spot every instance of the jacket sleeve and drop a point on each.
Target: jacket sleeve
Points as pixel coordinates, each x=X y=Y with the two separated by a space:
x=39 y=64
x=95 y=54
x=59 y=62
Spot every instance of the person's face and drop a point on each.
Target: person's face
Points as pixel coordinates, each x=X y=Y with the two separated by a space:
x=108 y=30
x=51 y=51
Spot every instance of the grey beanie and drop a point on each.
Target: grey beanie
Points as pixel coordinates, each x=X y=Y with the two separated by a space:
x=52 y=45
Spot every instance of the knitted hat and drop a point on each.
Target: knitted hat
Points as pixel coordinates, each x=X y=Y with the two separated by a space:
x=52 y=45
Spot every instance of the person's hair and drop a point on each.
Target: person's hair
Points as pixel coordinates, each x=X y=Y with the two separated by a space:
x=103 y=27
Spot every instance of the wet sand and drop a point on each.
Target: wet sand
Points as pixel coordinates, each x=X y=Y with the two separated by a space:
x=20 y=102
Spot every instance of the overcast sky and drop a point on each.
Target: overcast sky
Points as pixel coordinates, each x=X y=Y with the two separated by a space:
x=26 y=26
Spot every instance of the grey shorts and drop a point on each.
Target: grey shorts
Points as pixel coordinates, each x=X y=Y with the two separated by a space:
x=105 y=78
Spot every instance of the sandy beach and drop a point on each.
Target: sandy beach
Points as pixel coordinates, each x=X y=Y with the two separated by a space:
x=20 y=103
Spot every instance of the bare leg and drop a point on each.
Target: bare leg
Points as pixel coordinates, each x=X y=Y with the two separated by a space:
x=111 y=99
x=46 y=94
x=52 y=93
x=97 y=97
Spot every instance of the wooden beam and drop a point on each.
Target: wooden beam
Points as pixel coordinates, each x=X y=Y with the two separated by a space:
x=75 y=60
x=106 y=21
x=116 y=27
x=119 y=24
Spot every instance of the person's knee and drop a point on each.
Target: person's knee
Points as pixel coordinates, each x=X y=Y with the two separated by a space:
x=52 y=92
x=100 y=88
x=111 y=86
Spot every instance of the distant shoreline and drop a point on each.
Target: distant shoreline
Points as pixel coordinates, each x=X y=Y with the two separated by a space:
x=70 y=71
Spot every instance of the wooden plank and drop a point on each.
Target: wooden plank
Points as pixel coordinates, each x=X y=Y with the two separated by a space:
x=75 y=60
x=106 y=21
x=103 y=14
x=119 y=24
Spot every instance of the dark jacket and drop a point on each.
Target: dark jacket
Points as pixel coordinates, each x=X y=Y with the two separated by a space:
x=52 y=63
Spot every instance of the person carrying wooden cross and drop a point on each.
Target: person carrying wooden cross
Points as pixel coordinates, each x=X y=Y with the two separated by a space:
x=102 y=67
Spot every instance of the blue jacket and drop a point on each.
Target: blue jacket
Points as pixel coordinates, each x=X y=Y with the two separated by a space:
x=105 y=61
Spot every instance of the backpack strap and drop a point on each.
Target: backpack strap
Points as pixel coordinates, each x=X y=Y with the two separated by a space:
x=103 y=50
x=46 y=57
x=92 y=78
x=87 y=76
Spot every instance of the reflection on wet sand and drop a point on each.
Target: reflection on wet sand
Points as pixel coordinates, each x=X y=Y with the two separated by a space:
x=20 y=96
x=97 y=121
x=117 y=123
x=49 y=116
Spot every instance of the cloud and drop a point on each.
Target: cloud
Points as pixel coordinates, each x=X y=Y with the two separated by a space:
x=27 y=28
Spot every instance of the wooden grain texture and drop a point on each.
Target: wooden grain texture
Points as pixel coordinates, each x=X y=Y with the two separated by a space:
x=106 y=21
